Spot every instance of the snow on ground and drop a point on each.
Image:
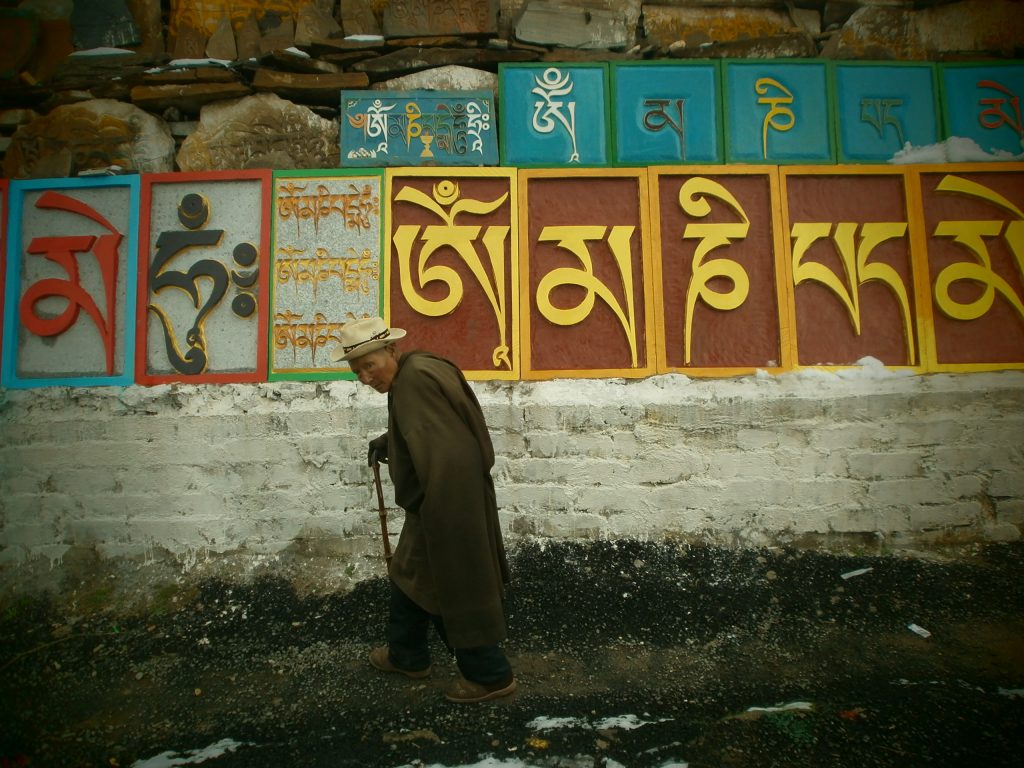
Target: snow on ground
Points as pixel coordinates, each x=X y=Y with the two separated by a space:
x=192 y=757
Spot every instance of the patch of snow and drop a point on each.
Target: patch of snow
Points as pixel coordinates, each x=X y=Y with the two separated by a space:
x=624 y=722
x=198 y=63
x=858 y=572
x=955 y=149
x=365 y=38
x=799 y=706
x=297 y=52
x=872 y=368
x=102 y=52
x=192 y=757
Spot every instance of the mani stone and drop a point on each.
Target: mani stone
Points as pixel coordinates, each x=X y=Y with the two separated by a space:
x=260 y=131
x=702 y=26
x=553 y=23
x=449 y=78
x=90 y=135
x=221 y=44
x=357 y=18
x=418 y=18
x=313 y=24
x=876 y=33
x=987 y=26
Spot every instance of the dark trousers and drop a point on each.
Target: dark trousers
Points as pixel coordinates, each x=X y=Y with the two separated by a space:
x=408 y=648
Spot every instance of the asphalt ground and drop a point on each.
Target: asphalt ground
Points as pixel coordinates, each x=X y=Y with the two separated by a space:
x=627 y=653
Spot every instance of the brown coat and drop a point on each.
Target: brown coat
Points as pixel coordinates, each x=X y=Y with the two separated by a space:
x=450 y=558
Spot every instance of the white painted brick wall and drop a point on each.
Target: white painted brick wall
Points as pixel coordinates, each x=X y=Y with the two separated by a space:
x=260 y=469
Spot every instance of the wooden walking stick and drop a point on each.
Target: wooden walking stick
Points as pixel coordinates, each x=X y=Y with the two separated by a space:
x=383 y=512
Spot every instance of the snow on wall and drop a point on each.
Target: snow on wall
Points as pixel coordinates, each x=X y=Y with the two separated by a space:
x=254 y=469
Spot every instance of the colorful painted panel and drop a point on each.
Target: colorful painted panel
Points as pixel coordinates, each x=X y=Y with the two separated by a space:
x=380 y=128
x=666 y=113
x=452 y=277
x=326 y=266
x=973 y=218
x=851 y=257
x=71 y=275
x=722 y=296
x=984 y=103
x=880 y=108
x=587 y=302
x=777 y=112
x=204 y=276
x=554 y=114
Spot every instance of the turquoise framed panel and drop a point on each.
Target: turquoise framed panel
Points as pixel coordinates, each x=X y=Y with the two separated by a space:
x=666 y=112
x=382 y=128
x=71 y=282
x=982 y=101
x=554 y=114
x=327 y=266
x=880 y=107
x=777 y=112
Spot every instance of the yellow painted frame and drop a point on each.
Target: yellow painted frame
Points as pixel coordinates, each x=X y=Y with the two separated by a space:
x=929 y=350
x=914 y=243
x=783 y=280
x=511 y=174
x=650 y=329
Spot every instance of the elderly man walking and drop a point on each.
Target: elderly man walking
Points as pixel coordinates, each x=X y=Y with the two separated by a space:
x=449 y=569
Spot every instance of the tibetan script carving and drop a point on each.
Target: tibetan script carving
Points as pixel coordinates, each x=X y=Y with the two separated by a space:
x=693 y=196
x=972 y=235
x=65 y=251
x=447 y=204
x=418 y=128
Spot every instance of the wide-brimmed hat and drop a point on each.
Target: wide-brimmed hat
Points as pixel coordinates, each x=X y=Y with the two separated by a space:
x=362 y=336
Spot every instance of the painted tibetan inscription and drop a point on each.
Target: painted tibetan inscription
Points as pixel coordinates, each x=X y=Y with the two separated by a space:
x=721 y=288
x=452 y=276
x=204 y=277
x=852 y=265
x=974 y=225
x=70 y=304
x=666 y=113
x=984 y=103
x=587 y=283
x=881 y=108
x=554 y=114
x=777 y=113
x=380 y=128
x=326 y=266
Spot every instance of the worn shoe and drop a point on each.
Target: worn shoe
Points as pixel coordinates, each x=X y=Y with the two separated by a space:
x=380 y=659
x=464 y=691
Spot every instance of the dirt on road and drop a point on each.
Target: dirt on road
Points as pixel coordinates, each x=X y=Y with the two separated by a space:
x=627 y=653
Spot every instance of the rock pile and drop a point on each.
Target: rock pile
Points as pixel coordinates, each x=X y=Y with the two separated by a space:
x=82 y=81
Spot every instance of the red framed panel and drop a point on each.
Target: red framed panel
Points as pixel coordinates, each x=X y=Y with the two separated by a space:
x=451 y=277
x=587 y=301
x=204 y=276
x=972 y=286
x=722 y=294
x=851 y=255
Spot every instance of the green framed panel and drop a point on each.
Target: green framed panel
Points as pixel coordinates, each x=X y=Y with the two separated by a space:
x=327 y=230
x=982 y=101
x=778 y=112
x=882 y=106
x=666 y=112
x=554 y=114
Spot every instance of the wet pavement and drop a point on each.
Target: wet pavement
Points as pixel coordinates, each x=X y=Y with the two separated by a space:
x=627 y=653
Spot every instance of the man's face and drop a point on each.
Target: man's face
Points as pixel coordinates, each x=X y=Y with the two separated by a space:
x=376 y=369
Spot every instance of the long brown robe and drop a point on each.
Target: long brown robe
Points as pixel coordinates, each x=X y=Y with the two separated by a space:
x=450 y=559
